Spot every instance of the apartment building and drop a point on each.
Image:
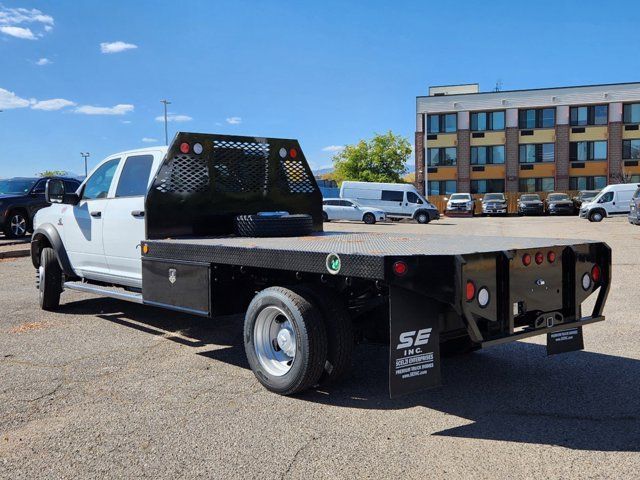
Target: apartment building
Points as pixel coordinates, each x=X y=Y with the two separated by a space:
x=550 y=139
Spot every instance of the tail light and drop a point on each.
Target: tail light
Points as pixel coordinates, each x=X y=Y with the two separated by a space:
x=539 y=258
x=551 y=257
x=293 y=153
x=184 y=147
x=526 y=259
x=470 y=291
x=596 y=274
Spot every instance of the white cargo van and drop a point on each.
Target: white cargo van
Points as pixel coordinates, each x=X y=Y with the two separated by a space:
x=397 y=200
x=612 y=200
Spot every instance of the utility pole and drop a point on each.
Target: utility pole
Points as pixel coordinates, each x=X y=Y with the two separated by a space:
x=166 y=135
x=85 y=155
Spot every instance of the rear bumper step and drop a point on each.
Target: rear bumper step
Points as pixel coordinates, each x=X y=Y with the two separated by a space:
x=530 y=332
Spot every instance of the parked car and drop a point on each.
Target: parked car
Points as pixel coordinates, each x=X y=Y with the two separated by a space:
x=530 y=204
x=397 y=200
x=494 y=204
x=21 y=198
x=634 y=208
x=559 y=204
x=584 y=196
x=345 y=209
x=612 y=200
x=460 y=204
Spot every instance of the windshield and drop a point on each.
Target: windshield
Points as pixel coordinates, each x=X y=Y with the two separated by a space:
x=558 y=196
x=460 y=196
x=587 y=195
x=17 y=186
x=494 y=196
x=530 y=198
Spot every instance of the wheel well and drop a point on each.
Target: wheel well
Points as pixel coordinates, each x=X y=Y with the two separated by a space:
x=38 y=242
x=418 y=212
x=598 y=209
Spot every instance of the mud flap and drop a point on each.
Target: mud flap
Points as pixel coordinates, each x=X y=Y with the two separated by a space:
x=564 y=341
x=414 y=350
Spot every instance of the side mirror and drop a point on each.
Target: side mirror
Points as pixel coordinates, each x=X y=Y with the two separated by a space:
x=54 y=191
x=355 y=206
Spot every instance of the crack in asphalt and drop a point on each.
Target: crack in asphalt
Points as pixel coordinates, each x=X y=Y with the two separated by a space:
x=295 y=456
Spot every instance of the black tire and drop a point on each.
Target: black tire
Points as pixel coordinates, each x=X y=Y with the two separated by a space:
x=422 y=217
x=49 y=280
x=286 y=226
x=16 y=225
x=369 y=218
x=596 y=216
x=339 y=327
x=325 y=217
x=311 y=341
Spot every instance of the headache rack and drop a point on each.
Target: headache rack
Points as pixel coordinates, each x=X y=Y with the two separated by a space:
x=206 y=180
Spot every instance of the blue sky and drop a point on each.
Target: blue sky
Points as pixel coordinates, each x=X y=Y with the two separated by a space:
x=328 y=73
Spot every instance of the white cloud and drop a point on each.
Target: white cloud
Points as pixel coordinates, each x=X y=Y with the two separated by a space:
x=234 y=120
x=11 y=100
x=116 y=47
x=10 y=18
x=43 y=61
x=149 y=140
x=53 y=104
x=126 y=122
x=18 y=32
x=120 y=109
x=172 y=117
x=333 y=148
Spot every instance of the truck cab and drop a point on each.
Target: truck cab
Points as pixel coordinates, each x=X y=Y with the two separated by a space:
x=101 y=232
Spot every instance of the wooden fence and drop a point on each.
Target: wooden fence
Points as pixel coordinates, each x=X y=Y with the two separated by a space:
x=512 y=200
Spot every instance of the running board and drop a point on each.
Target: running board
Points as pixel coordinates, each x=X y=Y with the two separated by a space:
x=112 y=292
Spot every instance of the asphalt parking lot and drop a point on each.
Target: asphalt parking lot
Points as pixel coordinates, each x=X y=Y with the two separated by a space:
x=103 y=388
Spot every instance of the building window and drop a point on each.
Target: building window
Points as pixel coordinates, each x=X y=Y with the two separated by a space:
x=631 y=113
x=439 y=157
x=587 y=151
x=537 y=118
x=591 y=115
x=537 y=152
x=530 y=185
x=481 y=121
x=487 y=186
x=441 y=187
x=631 y=149
x=442 y=123
x=587 y=183
x=493 y=155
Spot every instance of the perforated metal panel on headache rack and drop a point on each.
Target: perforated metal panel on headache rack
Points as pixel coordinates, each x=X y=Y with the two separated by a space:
x=199 y=191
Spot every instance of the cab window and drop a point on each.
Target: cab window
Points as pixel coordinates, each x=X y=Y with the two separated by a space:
x=39 y=188
x=98 y=184
x=413 y=198
x=135 y=176
x=607 y=197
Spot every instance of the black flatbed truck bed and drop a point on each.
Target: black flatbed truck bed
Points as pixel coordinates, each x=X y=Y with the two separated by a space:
x=308 y=297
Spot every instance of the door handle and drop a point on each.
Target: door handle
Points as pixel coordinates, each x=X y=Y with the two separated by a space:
x=137 y=213
x=96 y=214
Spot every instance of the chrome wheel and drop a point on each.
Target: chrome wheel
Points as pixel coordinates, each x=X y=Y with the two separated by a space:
x=274 y=341
x=18 y=225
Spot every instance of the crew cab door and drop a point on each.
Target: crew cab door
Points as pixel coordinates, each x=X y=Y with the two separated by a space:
x=124 y=225
x=82 y=224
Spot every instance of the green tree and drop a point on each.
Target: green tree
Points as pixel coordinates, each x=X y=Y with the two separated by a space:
x=51 y=173
x=381 y=159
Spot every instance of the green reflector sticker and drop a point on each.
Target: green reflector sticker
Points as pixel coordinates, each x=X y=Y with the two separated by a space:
x=333 y=263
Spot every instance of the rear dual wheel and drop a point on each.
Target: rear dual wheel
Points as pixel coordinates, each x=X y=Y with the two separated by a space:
x=292 y=340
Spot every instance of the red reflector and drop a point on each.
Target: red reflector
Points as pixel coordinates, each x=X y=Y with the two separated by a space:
x=551 y=256
x=471 y=290
x=400 y=268
x=526 y=259
x=184 y=147
x=293 y=153
x=595 y=273
x=539 y=258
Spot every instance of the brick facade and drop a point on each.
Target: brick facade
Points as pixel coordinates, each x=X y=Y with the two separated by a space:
x=615 y=152
x=464 y=161
x=420 y=167
x=512 y=162
x=562 y=157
